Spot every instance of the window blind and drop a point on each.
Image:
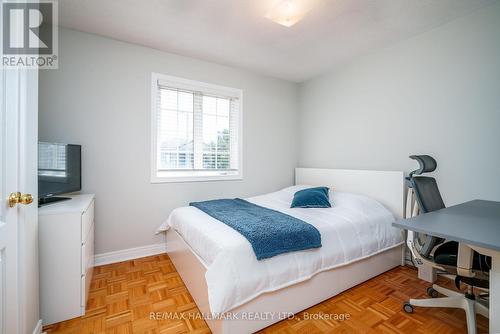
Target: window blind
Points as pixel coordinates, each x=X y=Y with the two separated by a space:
x=196 y=130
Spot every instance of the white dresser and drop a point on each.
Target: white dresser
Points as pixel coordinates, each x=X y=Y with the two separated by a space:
x=66 y=244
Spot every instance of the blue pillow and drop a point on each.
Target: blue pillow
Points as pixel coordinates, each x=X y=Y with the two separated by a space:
x=311 y=198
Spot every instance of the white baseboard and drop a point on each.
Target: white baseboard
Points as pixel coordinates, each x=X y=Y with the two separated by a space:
x=129 y=254
x=38 y=327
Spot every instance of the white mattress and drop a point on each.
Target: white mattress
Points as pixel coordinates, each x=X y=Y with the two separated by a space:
x=355 y=227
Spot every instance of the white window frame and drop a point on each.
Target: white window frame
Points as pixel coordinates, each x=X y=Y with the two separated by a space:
x=192 y=85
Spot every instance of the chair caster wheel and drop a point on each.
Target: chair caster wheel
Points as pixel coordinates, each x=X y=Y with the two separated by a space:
x=408 y=308
x=432 y=293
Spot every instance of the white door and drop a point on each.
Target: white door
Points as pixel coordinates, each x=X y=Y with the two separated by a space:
x=9 y=303
x=18 y=215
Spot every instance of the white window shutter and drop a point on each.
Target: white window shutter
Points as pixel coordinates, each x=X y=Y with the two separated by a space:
x=198 y=130
x=234 y=122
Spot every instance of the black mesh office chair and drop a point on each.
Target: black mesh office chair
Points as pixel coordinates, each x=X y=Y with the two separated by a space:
x=423 y=197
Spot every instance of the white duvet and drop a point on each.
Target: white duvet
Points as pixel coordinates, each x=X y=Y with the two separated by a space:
x=354 y=228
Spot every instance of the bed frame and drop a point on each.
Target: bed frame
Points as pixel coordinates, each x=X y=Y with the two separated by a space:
x=385 y=186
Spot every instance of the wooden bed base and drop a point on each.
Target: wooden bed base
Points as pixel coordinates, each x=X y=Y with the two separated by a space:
x=271 y=307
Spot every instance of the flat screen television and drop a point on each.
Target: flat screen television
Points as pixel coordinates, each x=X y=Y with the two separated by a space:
x=59 y=171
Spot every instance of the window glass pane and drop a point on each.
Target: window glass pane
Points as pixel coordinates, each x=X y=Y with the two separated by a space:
x=209 y=160
x=175 y=130
x=190 y=126
x=216 y=139
x=168 y=160
x=222 y=107
x=186 y=101
x=167 y=129
x=222 y=124
x=185 y=159
x=223 y=142
x=223 y=161
x=209 y=105
x=168 y=99
x=209 y=132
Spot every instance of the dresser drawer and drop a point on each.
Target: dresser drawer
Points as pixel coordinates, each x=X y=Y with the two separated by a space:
x=87 y=260
x=90 y=248
x=84 y=291
x=83 y=262
x=87 y=221
x=85 y=288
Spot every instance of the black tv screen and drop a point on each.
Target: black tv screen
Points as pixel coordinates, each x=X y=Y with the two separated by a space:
x=59 y=169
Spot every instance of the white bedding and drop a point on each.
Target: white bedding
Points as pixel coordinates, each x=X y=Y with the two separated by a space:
x=354 y=228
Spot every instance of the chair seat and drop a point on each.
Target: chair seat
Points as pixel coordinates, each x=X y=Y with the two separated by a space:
x=446 y=254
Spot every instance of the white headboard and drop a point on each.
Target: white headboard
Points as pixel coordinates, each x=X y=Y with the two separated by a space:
x=387 y=187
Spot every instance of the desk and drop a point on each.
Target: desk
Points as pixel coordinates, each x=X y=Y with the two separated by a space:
x=476 y=224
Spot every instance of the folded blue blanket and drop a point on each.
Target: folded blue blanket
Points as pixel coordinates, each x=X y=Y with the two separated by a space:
x=269 y=232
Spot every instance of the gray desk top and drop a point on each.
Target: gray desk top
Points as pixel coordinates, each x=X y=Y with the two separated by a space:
x=475 y=223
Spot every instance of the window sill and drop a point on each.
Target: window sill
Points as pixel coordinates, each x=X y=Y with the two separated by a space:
x=195 y=178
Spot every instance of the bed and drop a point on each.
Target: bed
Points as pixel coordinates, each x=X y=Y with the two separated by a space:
x=243 y=295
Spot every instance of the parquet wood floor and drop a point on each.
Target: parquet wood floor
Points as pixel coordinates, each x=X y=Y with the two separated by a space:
x=123 y=295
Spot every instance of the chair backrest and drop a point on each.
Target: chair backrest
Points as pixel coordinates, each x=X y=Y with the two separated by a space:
x=428 y=197
x=427 y=193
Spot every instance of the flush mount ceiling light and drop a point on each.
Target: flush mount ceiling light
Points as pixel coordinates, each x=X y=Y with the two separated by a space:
x=289 y=12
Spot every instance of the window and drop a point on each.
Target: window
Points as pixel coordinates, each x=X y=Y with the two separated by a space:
x=196 y=131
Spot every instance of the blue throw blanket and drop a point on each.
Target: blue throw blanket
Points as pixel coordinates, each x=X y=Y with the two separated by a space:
x=269 y=232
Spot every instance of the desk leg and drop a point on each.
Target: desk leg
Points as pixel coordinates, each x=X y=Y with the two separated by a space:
x=495 y=294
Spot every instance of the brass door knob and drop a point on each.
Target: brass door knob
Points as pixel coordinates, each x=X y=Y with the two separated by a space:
x=15 y=198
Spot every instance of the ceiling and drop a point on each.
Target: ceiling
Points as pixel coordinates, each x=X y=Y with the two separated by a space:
x=236 y=32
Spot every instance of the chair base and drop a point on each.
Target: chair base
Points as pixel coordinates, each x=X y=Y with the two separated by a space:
x=455 y=300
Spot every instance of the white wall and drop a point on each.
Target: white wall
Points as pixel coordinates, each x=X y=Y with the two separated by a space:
x=437 y=93
x=100 y=98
